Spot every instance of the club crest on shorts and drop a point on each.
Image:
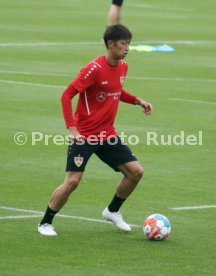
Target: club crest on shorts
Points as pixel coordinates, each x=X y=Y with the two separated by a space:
x=78 y=160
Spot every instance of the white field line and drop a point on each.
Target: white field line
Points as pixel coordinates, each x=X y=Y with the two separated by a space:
x=21 y=210
x=87 y=43
x=171 y=79
x=33 y=73
x=132 y=78
x=20 y=217
x=73 y=75
x=159 y=7
x=47 y=43
x=128 y=77
x=31 y=84
x=59 y=215
x=176 y=42
x=193 y=207
x=191 y=101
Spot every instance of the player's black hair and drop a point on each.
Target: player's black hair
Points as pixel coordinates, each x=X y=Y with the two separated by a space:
x=117 y=32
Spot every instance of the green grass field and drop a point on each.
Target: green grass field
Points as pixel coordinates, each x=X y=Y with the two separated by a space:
x=43 y=44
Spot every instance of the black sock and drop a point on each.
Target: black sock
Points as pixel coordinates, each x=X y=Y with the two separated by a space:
x=116 y=203
x=49 y=215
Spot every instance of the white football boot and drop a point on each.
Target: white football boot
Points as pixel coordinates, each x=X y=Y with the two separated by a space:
x=116 y=218
x=46 y=229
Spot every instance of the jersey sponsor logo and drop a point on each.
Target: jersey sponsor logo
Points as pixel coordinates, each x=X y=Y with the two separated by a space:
x=78 y=160
x=101 y=96
x=104 y=82
x=122 y=79
x=115 y=95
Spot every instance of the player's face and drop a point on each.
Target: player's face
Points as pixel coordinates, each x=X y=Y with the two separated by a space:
x=120 y=48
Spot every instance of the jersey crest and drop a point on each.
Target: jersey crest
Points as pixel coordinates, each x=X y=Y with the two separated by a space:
x=122 y=79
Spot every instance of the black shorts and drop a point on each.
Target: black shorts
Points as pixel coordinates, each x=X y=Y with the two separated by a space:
x=117 y=2
x=113 y=152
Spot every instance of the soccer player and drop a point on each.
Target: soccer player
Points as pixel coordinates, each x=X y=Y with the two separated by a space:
x=114 y=15
x=100 y=88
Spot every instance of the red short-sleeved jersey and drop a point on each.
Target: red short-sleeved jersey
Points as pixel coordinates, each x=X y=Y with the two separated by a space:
x=100 y=88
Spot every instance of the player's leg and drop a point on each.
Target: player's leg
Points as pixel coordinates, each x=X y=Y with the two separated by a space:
x=57 y=201
x=118 y=156
x=132 y=172
x=114 y=15
x=62 y=192
x=78 y=156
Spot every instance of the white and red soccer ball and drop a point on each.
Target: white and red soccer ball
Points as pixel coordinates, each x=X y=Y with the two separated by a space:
x=156 y=227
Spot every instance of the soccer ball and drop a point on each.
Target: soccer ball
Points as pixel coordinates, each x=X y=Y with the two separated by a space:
x=156 y=227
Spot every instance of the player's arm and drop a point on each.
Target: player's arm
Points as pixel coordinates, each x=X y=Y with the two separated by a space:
x=66 y=101
x=127 y=97
x=114 y=15
x=148 y=108
x=81 y=83
x=131 y=99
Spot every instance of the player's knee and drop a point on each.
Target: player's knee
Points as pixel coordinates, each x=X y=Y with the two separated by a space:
x=117 y=2
x=71 y=184
x=137 y=173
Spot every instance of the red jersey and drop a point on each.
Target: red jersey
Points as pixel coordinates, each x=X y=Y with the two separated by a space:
x=100 y=88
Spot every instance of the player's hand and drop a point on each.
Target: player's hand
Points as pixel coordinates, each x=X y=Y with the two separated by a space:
x=148 y=108
x=74 y=135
